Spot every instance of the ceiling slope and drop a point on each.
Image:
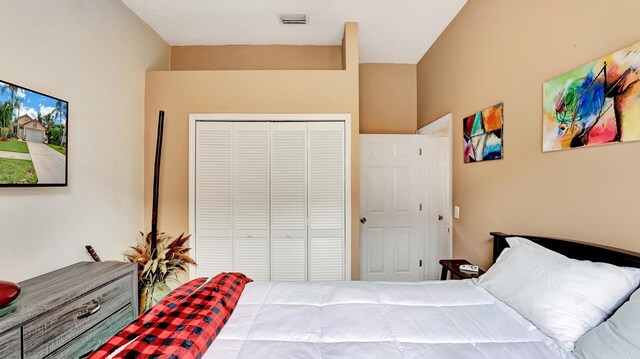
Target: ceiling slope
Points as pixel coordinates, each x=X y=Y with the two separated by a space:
x=391 y=31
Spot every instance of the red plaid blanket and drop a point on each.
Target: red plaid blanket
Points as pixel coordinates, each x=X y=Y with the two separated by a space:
x=183 y=325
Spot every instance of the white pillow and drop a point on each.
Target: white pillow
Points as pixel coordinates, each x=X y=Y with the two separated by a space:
x=563 y=297
x=615 y=338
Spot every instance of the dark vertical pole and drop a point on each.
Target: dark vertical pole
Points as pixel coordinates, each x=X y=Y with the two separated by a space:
x=156 y=186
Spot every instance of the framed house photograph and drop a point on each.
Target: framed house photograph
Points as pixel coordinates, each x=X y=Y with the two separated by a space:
x=33 y=137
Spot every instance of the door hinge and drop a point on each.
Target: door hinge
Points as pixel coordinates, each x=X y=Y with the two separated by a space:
x=421 y=263
x=420 y=206
x=419 y=151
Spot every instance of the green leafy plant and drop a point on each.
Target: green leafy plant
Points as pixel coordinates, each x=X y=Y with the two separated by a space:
x=5 y=132
x=170 y=260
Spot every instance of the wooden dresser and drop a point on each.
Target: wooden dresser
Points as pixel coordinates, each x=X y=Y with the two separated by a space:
x=70 y=312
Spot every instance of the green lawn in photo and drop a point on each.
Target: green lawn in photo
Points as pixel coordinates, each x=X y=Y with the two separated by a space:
x=17 y=172
x=13 y=145
x=60 y=149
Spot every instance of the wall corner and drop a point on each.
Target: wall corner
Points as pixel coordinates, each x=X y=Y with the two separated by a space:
x=350 y=47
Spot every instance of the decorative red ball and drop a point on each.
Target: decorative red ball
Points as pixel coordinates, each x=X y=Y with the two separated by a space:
x=8 y=292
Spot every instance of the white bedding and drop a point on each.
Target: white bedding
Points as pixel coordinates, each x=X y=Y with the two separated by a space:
x=450 y=319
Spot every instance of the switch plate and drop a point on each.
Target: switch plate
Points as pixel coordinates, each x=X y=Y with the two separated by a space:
x=456 y=212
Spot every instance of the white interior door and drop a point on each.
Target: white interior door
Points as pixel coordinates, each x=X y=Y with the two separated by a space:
x=437 y=144
x=443 y=183
x=391 y=182
x=442 y=170
x=269 y=199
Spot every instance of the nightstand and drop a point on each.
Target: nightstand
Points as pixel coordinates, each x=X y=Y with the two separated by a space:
x=453 y=266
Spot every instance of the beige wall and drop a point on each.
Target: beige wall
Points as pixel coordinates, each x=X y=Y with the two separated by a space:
x=93 y=54
x=388 y=98
x=503 y=50
x=256 y=57
x=388 y=92
x=180 y=93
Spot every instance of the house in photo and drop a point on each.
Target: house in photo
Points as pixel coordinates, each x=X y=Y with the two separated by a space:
x=29 y=129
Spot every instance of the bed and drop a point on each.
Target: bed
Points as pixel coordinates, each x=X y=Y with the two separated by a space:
x=434 y=319
x=449 y=319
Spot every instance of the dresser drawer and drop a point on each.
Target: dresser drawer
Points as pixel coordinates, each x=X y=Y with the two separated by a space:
x=10 y=344
x=93 y=338
x=57 y=327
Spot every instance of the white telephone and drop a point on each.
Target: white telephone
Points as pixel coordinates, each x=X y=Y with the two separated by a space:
x=470 y=268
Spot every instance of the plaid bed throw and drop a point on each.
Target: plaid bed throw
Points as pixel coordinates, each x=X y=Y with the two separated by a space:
x=183 y=325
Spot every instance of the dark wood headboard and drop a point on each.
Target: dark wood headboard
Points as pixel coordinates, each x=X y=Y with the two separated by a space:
x=572 y=249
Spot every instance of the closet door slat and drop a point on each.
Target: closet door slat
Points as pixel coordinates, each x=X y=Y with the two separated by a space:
x=213 y=202
x=251 y=199
x=326 y=201
x=288 y=201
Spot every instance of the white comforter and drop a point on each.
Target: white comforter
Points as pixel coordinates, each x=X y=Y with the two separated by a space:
x=452 y=319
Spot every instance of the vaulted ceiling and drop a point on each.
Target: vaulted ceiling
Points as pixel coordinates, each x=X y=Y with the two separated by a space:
x=391 y=31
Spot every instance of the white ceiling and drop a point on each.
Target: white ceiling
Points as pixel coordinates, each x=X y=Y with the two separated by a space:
x=391 y=31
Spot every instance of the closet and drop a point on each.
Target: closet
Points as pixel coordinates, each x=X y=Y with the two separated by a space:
x=268 y=199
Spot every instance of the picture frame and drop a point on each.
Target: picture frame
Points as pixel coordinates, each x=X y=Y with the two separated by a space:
x=34 y=132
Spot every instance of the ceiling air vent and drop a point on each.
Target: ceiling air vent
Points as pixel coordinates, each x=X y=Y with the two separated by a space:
x=293 y=19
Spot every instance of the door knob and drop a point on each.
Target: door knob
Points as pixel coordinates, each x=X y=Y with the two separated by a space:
x=363 y=220
x=440 y=218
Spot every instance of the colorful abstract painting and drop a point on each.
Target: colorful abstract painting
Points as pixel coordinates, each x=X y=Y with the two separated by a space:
x=483 y=135
x=595 y=104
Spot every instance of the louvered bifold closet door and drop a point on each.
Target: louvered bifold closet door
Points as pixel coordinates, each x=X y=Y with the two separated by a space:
x=250 y=182
x=213 y=202
x=326 y=201
x=288 y=201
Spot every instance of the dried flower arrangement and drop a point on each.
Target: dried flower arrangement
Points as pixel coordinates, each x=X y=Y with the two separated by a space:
x=153 y=271
x=158 y=257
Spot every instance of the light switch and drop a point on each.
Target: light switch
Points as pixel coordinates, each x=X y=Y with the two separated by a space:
x=456 y=212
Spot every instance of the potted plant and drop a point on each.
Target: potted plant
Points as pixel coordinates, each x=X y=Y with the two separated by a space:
x=158 y=257
x=154 y=270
